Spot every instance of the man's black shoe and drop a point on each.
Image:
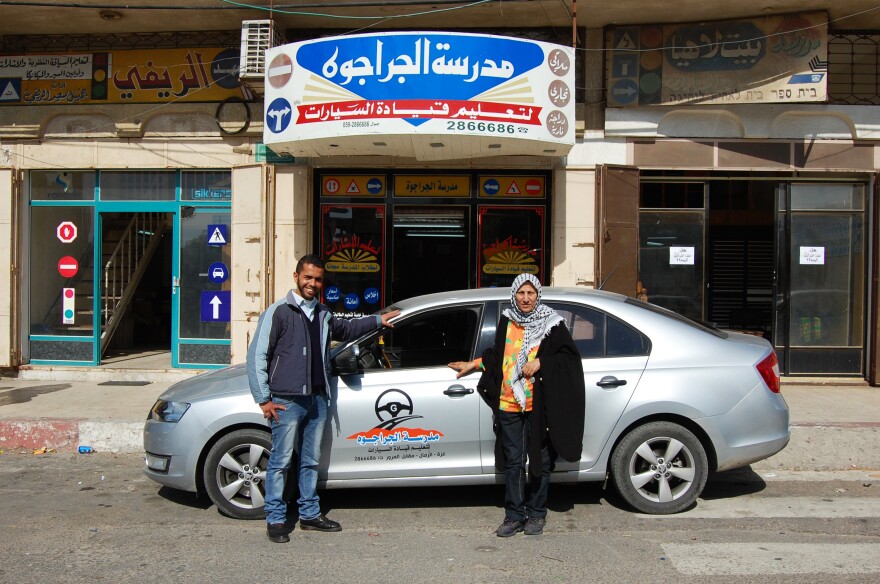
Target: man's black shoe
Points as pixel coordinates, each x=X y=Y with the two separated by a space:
x=278 y=532
x=319 y=523
x=509 y=527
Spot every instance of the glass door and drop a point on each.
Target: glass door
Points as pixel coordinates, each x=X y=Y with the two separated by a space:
x=672 y=233
x=201 y=288
x=820 y=308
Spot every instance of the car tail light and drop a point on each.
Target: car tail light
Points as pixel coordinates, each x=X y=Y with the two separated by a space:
x=769 y=370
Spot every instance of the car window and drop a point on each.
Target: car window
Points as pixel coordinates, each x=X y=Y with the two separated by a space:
x=430 y=339
x=621 y=340
x=597 y=334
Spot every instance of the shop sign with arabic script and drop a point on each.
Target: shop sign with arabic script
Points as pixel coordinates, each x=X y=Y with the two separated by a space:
x=426 y=83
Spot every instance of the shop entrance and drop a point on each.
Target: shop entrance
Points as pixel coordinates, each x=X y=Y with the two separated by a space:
x=135 y=282
x=430 y=250
x=128 y=266
x=781 y=260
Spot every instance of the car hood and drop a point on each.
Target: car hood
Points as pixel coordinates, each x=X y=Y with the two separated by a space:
x=229 y=380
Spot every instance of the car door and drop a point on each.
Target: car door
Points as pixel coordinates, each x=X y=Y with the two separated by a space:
x=614 y=355
x=405 y=414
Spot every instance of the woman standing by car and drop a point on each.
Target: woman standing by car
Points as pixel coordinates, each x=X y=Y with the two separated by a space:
x=534 y=382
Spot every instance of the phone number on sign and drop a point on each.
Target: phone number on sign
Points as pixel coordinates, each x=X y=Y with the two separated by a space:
x=480 y=127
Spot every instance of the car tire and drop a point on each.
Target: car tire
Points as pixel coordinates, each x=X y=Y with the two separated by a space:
x=659 y=468
x=235 y=473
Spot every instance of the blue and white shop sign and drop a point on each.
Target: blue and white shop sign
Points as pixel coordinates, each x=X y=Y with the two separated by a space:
x=437 y=88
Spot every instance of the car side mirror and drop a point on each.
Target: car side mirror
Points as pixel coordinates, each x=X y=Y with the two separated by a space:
x=346 y=362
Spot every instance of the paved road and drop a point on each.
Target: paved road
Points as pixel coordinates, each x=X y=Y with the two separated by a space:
x=95 y=518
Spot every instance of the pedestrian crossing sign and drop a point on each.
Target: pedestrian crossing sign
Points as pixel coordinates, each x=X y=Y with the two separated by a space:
x=217 y=234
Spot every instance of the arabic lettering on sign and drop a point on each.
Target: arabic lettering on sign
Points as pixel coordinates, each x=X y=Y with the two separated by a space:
x=47 y=67
x=716 y=47
x=416 y=65
x=413 y=108
x=419 y=62
x=353 y=242
x=812 y=255
x=139 y=78
x=60 y=95
x=427 y=186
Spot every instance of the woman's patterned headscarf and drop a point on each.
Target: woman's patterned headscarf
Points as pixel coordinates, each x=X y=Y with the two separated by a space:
x=537 y=325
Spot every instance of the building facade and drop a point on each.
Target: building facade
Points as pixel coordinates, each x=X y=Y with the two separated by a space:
x=144 y=206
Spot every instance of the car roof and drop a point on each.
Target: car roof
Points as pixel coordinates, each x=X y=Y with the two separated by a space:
x=498 y=294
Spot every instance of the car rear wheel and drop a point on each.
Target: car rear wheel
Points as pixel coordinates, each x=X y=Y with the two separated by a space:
x=235 y=473
x=659 y=468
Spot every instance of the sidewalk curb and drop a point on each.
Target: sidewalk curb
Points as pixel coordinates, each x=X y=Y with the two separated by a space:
x=68 y=435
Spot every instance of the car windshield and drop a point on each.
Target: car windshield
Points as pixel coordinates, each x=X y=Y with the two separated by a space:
x=703 y=326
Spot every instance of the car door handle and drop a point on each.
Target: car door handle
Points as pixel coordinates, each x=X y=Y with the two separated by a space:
x=455 y=390
x=610 y=381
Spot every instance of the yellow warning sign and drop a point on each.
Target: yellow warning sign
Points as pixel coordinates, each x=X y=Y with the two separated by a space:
x=347 y=185
x=513 y=186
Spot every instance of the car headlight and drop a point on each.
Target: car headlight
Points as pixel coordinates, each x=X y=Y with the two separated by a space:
x=168 y=411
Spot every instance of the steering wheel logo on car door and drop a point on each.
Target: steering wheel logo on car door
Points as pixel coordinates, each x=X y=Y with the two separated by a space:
x=394 y=407
x=389 y=407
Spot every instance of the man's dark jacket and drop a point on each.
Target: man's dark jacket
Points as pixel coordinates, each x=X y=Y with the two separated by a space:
x=279 y=358
x=557 y=400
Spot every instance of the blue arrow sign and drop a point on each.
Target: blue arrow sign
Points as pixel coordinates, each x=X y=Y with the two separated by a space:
x=216 y=305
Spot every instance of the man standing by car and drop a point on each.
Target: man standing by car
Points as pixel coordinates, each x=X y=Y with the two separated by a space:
x=289 y=376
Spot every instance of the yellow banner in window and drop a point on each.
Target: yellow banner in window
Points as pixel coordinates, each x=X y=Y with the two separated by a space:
x=432 y=186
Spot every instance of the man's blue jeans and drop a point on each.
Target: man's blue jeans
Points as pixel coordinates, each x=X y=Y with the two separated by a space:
x=521 y=499
x=303 y=423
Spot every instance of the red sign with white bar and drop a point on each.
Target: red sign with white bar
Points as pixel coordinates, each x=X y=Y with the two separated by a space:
x=68 y=266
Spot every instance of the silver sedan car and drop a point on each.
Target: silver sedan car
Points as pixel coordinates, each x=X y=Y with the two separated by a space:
x=668 y=401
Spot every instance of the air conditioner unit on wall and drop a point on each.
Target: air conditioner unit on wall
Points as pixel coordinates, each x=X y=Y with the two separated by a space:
x=256 y=37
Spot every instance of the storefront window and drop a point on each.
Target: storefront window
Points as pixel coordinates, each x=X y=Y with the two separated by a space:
x=201 y=253
x=353 y=251
x=66 y=185
x=61 y=282
x=138 y=185
x=671 y=260
x=206 y=186
x=511 y=241
x=827 y=266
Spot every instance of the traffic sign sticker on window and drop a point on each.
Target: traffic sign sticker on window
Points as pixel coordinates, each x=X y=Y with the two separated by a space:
x=217 y=234
x=353 y=189
x=66 y=231
x=68 y=305
x=68 y=266
x=513 y=189
x=215 y=305
x=218 y=273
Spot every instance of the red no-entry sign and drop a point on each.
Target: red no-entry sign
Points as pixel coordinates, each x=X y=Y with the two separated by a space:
x=68 y=266
x=66 y=231
x=280 y=70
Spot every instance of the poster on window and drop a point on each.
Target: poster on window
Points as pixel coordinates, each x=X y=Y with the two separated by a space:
x=353 y=251
x=511 y=243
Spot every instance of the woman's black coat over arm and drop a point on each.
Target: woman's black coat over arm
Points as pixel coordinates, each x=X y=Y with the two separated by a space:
x=558 y=400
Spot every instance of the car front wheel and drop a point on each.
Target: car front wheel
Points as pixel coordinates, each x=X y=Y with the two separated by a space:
x=659 y=468
x=235 y=473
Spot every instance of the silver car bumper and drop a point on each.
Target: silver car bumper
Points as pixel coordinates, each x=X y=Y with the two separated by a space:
x=756 y=428
x=161 y=439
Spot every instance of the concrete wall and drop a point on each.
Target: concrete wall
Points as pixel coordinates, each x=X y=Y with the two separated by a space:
x=7 y=343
